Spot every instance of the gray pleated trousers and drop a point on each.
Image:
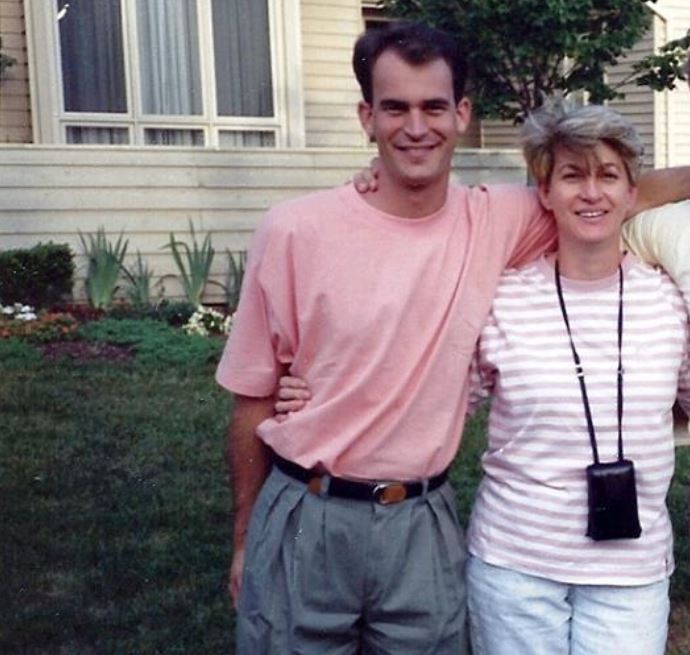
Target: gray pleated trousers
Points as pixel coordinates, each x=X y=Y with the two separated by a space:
x=328 y=576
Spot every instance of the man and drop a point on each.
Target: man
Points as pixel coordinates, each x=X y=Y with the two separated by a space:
x=377 y=300
x=661 y=236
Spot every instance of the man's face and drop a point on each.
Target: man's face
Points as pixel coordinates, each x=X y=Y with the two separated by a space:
x=415 y=121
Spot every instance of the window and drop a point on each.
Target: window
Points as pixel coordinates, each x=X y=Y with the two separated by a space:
x=167 y=72
x=373 y=16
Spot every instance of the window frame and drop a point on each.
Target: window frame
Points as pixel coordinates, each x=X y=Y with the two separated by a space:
x=50 y=120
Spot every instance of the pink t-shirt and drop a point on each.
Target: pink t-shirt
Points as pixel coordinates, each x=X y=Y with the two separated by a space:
x=380 y=315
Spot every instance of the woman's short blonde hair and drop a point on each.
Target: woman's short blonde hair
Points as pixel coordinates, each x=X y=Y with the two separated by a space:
x=578 y=130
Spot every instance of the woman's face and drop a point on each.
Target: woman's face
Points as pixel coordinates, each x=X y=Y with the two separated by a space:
x=590 y=196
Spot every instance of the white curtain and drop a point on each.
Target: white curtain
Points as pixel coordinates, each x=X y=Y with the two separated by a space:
x=242 y=57
x=249 y=139
x=103 y=135
x=169 y=57
x=170 y=137
x=167 y=44
x=93 y=72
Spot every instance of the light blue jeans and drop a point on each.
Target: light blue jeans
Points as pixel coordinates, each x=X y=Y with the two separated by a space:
x=513 y=613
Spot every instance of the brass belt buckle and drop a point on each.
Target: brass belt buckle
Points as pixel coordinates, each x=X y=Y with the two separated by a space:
x=314 y=485
x=389 y=493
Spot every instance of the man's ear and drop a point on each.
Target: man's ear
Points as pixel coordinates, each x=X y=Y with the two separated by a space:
x=366 y=118
x=463 y=114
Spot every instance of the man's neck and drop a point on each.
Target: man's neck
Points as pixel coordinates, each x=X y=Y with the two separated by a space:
x=408 y=202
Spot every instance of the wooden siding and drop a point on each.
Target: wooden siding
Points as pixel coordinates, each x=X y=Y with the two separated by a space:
x=15 y=110
x=499 y=134
x=52 y=193
x=640 y=105
x=677 y=23
x=329 y=30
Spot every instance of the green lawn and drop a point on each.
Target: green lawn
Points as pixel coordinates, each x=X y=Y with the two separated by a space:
x=114 y=507
x=114 y=518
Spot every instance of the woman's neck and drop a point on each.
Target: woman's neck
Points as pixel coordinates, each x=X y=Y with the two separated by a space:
x=590 y=262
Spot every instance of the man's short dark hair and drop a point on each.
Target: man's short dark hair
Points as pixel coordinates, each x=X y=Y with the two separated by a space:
x=414 y=43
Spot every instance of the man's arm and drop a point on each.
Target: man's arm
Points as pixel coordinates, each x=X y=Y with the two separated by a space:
x=662 y=186
x=249 y=462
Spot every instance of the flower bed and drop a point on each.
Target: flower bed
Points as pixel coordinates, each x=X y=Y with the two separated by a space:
x=23 y=322
x=166 y=333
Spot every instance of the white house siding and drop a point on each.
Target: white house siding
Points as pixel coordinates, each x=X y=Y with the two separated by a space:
x=51 y=193
x=15 y=112
x=641 y=105
x=329 y=30
x=499 y=134
x=662 y=118
x=677 y=15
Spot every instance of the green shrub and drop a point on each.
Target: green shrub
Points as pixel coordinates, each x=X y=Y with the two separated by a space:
x=193 y=264
x=139 y=288
x=17 y=354
x=173 y=313
x=40 y=276
x=178 y=350
x=123 y=332
x=157 y=345
x=104 y=266
x=237 y=264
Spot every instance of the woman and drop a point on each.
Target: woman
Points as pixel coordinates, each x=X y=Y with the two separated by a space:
x=574 y=341
x=537 y=583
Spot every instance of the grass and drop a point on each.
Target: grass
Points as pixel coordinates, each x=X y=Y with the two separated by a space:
x=114 y=509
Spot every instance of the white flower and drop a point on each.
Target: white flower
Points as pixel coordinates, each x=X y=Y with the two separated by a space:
x=206 y=321
x=19 y=312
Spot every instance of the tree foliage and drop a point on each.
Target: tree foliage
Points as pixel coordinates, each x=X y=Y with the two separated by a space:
x=662 y=70
x=5 y=61
x=522 y=51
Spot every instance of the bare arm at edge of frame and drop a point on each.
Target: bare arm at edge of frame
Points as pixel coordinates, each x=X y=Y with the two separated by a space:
x=662 y=186
x=249 y=462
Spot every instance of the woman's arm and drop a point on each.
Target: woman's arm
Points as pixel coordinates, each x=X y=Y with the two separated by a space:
x=292 y=395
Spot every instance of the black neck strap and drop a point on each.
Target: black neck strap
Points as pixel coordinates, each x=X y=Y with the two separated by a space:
x=581 y=374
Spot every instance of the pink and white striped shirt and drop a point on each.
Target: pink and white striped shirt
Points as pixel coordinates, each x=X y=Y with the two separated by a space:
x=530 y=514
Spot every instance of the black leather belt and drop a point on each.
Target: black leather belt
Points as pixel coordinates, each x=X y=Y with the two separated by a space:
x=384 y=493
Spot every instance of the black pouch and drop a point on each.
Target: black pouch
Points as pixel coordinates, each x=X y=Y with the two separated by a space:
x=612 y=500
